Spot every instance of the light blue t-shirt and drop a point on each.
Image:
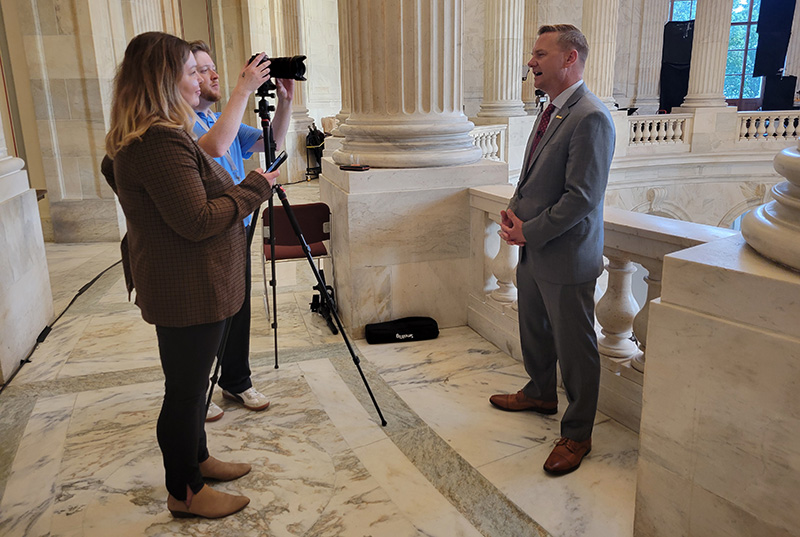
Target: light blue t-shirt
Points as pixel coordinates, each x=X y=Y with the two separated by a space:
x=233 y=161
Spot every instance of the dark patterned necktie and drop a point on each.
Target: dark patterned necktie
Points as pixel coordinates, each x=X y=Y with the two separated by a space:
x=543 y=123
x=542 y=126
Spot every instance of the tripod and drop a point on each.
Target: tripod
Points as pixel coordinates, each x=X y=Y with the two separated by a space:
x=324 y=291
x=328 y=307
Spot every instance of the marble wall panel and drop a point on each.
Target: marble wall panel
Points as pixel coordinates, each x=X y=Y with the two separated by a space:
x=720 y=410
x=720 y=277
x=90 y=220
x=26 y=305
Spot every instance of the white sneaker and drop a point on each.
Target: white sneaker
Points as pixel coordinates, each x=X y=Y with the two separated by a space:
x=250 y=398
x=214 y=412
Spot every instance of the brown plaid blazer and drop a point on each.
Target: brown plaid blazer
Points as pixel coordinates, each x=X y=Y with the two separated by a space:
x=185 y=247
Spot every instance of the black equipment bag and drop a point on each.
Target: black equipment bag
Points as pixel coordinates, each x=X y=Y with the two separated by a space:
x=405 y=329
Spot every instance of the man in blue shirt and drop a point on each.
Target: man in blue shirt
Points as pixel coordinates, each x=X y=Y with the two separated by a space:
x=224 y=137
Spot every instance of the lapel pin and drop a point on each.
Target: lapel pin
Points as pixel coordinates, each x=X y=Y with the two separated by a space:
x=558 y=117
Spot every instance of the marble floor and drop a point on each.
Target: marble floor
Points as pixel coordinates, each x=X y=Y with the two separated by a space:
x=78 y=455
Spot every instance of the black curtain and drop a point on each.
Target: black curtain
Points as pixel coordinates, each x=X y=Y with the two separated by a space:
x=675 y=60
x=774 y=28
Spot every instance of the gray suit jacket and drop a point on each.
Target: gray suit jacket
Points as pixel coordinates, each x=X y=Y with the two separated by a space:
x=559 y=197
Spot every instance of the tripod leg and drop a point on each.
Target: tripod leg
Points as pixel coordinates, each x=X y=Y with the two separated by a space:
x=218 y=366
x=328 y=298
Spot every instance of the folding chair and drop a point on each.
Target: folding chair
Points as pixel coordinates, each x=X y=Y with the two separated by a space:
x=315 y=223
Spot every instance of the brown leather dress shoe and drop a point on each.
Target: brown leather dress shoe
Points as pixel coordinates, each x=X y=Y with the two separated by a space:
x=567 y=456
x=515 y=402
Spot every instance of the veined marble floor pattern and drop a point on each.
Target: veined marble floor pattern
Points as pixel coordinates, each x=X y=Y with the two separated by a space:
x=78 y=455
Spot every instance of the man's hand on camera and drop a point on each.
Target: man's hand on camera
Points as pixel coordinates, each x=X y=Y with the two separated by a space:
x=270 y=177
x=253 y=74
x=284 y=89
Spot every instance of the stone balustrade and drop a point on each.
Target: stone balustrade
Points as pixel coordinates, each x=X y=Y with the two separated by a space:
x=662 y=129
x=630 y=238
x=776 y=126
x=492 y=141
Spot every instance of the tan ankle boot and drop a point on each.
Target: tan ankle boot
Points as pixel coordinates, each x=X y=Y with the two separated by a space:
x=208 y=503
x=212 y=468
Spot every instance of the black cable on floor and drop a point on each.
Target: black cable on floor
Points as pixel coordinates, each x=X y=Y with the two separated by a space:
x=47 y=329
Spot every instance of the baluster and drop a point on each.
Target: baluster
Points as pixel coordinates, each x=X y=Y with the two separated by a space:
x=649 y=132
x=771 y=127
x=495 y=148
x=751 y=128
x=670 y=136
x=615 y=311
x=679 y=130
x=761 y=128
x=783 y=126
x=653 y=280
x=662 y=130
x=485 y=145
x=503 y=267
x=744 y=123
x=632 y=135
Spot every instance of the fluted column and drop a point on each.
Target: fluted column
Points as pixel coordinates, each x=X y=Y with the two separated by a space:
x=600 y=27
x=344 y=64
x=654 y=15
x=709 y=54
x=530 y=27
x=290 y=43
x=773 y=230
x=406 y=67
x=504 y=60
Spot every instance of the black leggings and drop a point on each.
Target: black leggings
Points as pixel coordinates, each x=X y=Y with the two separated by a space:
x=186 y=358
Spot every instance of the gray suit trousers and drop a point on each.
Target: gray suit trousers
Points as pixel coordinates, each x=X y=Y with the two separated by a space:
x=556 y=324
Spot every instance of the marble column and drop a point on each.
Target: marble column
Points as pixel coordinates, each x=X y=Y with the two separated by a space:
x=773 y=229
x=600 y=28
x=654 y=15
x=289 y=40
x=344 y=64
x=505 y=59
x=709 y=55
x=400 y=230
x=405 y=58
x=530 y=27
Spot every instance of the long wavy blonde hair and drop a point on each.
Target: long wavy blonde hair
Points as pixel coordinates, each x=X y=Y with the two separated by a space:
x=146 y=89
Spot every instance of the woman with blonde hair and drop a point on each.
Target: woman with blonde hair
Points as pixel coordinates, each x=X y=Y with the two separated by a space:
x=184 y=252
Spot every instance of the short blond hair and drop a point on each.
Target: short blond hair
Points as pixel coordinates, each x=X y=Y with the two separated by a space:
x=569 y=37
x=146 y=89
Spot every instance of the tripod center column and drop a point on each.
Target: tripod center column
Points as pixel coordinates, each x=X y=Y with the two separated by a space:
x=401 y=229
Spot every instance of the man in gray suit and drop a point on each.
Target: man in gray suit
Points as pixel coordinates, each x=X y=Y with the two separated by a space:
x=556 y=216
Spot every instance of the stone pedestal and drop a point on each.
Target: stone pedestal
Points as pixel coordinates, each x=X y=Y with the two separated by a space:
x=26 y=303
x=720 y=431
x=400 y=240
